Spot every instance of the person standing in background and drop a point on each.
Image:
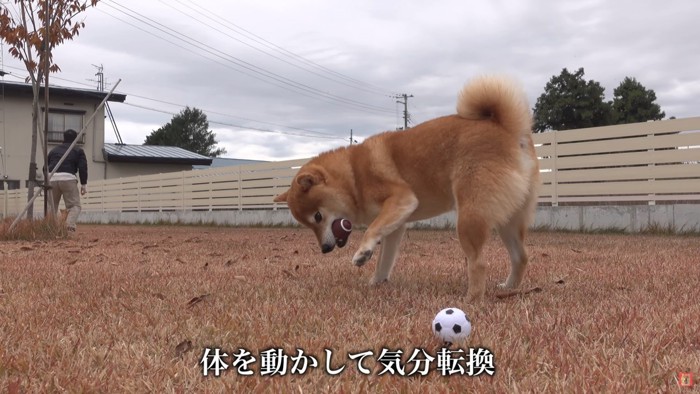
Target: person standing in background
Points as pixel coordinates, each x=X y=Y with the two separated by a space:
x=64 y=182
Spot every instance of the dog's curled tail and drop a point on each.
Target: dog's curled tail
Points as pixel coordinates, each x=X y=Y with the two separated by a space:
x=499 y=99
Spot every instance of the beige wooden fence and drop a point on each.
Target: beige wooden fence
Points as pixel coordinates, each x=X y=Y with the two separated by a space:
x=641 y=163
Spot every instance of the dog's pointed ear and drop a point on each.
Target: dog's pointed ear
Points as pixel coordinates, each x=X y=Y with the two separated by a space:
x=282 y=197
x=310 y=178
x=306 y=181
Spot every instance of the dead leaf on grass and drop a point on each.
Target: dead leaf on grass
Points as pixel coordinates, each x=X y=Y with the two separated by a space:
x=576 y=250
x=196 y=300
x=14 y=387
x=179 y=260
x=158 y=296
x=94 y=240
x=215 y=254
x=26 y=248
x=183 y=347
x=206 y=265
x=74 y=251
x=234 y=260
x=150 y=246
x=72 y=262
x=560 y=281
x=289 y=273
x=239 y=277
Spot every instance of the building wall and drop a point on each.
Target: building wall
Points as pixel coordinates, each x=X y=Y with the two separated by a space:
x=16 y=134
x=16 y=138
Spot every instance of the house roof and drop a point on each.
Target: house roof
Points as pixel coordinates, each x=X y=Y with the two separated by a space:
x=124 y=153
x=97 y=95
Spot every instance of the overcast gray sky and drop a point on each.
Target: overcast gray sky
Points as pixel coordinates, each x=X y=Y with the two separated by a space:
x=289 y=79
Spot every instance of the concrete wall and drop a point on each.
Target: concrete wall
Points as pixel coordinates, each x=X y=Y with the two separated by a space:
x=629 y=218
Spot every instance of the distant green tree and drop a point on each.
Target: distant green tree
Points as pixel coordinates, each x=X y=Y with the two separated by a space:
x=189 y=130
x=571 y=102
x=634 y=103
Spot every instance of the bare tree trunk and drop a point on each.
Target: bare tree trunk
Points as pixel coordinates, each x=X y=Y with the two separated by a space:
x=32 y=152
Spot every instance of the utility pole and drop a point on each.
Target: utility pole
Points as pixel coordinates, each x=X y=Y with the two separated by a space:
x=405 y=107
x=351 y=139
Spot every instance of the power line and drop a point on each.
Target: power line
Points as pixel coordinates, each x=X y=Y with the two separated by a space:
x=307 y=64
x=262 y=74
x=231 y=116
x=241 y=126
x=319 y=134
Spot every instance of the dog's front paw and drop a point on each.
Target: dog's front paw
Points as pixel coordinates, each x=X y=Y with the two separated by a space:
x=475 y=297
x=361 y=257
x=507 y=285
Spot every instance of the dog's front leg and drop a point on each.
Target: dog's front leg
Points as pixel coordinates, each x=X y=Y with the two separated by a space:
x=394 y=213
x=387 y=257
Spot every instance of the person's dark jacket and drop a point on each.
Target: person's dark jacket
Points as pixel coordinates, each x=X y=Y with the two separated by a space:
x=75 y=161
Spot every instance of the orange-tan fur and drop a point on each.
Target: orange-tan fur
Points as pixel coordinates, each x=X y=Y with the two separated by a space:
x=480 y=163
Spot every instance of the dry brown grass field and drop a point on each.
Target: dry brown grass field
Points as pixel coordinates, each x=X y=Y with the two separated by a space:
x=132 y=308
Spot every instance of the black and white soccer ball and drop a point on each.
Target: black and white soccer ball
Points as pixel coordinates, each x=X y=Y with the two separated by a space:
x=451 y=325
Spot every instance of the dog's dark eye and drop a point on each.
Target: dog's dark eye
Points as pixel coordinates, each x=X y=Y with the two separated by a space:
x=318 y=217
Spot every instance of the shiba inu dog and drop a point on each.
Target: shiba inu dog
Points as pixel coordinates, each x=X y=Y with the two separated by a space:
x=480 y=163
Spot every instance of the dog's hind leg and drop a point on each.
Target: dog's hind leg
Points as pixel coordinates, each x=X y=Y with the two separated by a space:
x=387 y=256
x=513 y=236
x=473 y=231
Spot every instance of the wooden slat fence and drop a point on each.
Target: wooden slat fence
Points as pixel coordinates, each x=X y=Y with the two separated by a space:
x=641 y=163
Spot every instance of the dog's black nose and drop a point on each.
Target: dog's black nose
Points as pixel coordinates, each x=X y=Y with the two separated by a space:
x=327 y=248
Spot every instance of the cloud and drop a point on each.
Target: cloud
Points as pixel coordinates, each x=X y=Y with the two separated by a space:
x=312 y=66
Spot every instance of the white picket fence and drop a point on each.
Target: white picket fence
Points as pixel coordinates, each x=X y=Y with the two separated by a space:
x=635 y=163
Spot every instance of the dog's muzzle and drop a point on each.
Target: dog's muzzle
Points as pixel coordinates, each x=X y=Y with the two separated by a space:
x=326 y=248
